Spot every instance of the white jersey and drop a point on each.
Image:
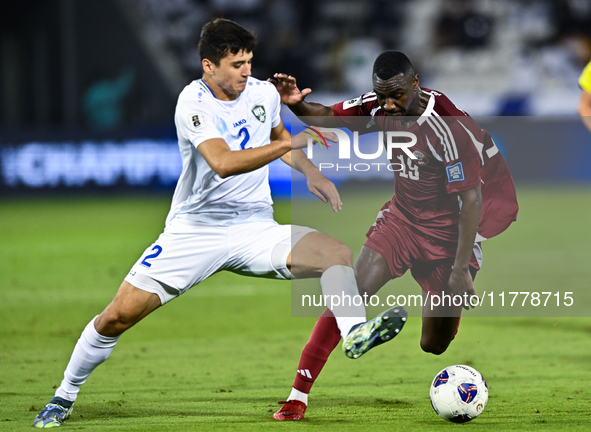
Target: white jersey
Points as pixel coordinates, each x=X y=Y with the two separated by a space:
x=243 y=123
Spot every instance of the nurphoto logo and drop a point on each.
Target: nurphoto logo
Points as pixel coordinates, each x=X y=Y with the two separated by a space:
x=389 y=139
x=383 y=137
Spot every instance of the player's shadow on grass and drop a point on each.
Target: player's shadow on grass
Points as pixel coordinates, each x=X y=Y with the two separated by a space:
x=234 y=408
x=371 y=402
x=106 y=411
x=318 y=403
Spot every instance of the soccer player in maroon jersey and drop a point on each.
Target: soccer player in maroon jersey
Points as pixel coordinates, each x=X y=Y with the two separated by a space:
x=455 y=193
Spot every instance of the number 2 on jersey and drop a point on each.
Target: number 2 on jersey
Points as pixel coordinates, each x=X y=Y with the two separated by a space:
x=246 y=137
x=157 y=251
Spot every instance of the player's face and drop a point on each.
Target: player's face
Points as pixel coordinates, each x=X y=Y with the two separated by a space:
x=232 y=73
x=396 y=95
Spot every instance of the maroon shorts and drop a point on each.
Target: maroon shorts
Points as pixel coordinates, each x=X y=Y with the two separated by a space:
x=430 y=259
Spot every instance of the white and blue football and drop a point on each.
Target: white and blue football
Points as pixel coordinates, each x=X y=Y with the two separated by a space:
x=459 y=393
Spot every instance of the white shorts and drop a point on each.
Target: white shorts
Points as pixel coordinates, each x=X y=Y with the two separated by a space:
x=188 y=252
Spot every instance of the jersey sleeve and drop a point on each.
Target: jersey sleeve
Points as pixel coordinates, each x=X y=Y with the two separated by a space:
x=195 y=123
x=462 y=142
x=347 y=112
x=585 y=79
x=275 y=108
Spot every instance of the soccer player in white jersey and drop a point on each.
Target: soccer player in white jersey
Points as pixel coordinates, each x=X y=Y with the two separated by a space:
x=229 y=129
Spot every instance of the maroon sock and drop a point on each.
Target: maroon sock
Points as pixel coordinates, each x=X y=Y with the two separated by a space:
x=324 y=338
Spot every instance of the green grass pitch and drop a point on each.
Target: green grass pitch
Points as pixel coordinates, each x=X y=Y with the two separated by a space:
x=222 y=355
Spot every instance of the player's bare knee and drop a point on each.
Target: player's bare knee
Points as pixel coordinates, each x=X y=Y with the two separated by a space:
x=344 y=254
x=113 y=323
x=337 y=254
x=435 y=349
x=432 y=346
x=364 y=286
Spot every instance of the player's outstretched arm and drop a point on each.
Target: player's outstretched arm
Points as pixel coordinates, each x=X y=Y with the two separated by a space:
x=460 y=281
x=294 y=98
x=585 y=109
x=319 y=185
x=225 y=162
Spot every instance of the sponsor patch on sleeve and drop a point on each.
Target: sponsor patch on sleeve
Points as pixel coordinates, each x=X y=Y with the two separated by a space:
x=197 y=121
x=351 y=103
x=455 y=172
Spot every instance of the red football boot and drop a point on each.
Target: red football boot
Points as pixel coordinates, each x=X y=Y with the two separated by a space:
x=291 y=410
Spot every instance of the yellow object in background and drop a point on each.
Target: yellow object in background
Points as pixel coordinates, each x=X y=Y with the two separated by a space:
x=585 y=79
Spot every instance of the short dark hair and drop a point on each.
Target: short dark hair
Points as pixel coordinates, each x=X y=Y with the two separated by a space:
x=392 y=63
x=221 y=37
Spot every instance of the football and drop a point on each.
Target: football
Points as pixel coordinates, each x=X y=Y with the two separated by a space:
x=459 y=393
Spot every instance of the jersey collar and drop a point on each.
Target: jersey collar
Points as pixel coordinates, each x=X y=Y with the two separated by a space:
x=206 y=87
x=428 y=111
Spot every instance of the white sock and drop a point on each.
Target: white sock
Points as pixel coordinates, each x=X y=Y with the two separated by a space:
x=298 y=395
x=90 y=351
x=339 y=284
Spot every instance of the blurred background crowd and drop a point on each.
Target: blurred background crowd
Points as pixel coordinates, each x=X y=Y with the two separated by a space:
x=106 y=64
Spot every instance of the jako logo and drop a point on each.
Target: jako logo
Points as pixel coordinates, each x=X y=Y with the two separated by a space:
x=345 y=144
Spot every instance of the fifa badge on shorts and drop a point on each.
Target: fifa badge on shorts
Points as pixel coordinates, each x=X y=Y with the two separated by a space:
x=260 y=113
x=455 y=172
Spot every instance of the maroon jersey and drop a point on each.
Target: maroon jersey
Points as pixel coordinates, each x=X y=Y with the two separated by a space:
x=453 y=154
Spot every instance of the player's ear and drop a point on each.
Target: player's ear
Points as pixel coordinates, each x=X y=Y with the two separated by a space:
x=416 y=81
x=207 y=66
